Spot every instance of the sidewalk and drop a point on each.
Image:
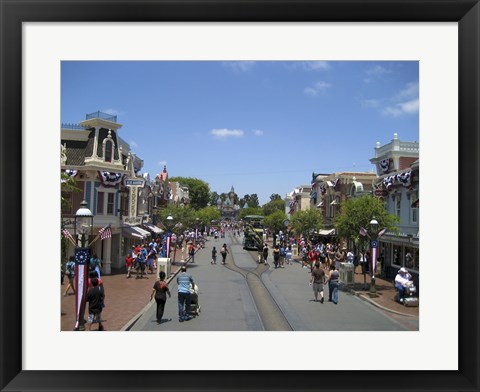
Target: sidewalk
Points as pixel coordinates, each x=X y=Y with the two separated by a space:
x=124 y=299
x=385 y=294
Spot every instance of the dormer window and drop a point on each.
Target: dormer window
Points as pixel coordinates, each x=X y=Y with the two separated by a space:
x=108 y=151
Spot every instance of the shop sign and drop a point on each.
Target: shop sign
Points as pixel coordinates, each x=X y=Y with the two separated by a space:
x=132 y=220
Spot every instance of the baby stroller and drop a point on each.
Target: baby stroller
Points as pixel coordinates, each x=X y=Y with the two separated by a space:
x=194 y=305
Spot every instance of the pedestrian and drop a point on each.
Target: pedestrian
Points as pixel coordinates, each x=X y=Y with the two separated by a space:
x=95 y=297
x=141 y=259
x=223 y=252
x=191 y=252
x=184 y=280
x=340 y=257
x=70 y=272
x=160 y=291
x=276 y=256
x=265 y=253
x=283 y=254
x=333 y=284
x=214 y=256
x=350 y=257
x=317 y=280
x=289 y=255
x=130 y=261
x=151 y=257
x=95 y=264
x=401 y=281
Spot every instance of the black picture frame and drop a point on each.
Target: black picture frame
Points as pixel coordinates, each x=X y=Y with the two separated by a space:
x=465 y=12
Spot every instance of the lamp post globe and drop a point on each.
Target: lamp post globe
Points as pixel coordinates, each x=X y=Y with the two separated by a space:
x=83 y=223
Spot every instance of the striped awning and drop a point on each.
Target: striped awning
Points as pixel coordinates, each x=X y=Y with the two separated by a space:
x=153 y=228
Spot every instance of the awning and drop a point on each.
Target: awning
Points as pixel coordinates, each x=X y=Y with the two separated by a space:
x=153 y=228
x=327 y=232
x=329 y=183
x=129 y=231
x=142 y=232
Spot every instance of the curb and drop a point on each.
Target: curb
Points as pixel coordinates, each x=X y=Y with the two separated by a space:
x=365 y=298
x=128 y=326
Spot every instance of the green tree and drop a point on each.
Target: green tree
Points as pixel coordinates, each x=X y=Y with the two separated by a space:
x=183 y=217
x=273 y=206
x=305 y=223
x=356 y=213
x=275 y=220
x=207 y=214
x=198 y=190
x=213 y=198
x=250 y=211
x=275 y=196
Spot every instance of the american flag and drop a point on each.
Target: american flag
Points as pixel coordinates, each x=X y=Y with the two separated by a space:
x=105 y=232
x=67 y=234
x=363 y=231
x=381 y=232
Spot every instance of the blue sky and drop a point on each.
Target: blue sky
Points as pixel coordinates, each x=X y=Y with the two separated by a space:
x=262 y=127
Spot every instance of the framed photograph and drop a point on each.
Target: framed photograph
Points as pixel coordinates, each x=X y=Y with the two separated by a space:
x=441 y=35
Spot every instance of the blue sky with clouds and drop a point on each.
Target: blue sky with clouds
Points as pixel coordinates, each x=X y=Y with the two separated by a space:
x=262 y=127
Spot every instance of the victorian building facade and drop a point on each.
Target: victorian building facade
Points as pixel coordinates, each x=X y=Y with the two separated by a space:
x=398 y=167
x=330 y=190
x=105 y=172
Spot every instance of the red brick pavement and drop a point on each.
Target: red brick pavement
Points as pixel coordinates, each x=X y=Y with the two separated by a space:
x=124 y=298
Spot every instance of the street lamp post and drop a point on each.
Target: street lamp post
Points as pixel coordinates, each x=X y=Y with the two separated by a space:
x=373 y=254
x=373 y=235
x=82 y=230
x=169 y=225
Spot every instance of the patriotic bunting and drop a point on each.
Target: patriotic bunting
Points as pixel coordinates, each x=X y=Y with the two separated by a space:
x=70 y=173
x=110 y=179
x=405 y=178
x=385 y=165
x=82 y=255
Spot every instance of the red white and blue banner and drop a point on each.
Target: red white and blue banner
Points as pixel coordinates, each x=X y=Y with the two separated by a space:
x=82 y=256
x=110 y=178
x=385 y=165
x=373 y=255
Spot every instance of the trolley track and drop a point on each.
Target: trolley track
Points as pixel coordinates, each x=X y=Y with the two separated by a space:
x=271 y=314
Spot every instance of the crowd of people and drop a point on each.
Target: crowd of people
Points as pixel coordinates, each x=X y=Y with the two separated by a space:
x=322 y=260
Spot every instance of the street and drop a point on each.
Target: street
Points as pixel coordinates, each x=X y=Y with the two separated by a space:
x=243 y=296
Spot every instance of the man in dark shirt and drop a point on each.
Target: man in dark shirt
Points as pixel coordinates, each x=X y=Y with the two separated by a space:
x=317 y=279
x=95 y=298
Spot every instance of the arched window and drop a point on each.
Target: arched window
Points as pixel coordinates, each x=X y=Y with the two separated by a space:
x=108 y=151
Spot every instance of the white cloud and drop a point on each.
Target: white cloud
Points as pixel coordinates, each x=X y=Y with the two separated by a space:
x=409 y=107
x=258 y=132
x=240 y=66
x=317 y=88
x=162 y=163
x=377 y=70
x=225 y=133
x=410 y=91
x=402 y=103
x=133 y=144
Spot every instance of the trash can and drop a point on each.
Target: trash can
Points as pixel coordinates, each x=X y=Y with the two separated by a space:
x=347 y=273
x=294 y=251
x=163 y=264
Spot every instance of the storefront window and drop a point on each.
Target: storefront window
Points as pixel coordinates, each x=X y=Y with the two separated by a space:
x=411 y=258
x=100 y=202
x=397 y=255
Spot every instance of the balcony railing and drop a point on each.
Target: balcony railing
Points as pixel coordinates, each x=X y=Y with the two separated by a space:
x=76 y=127
x=102 y=116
